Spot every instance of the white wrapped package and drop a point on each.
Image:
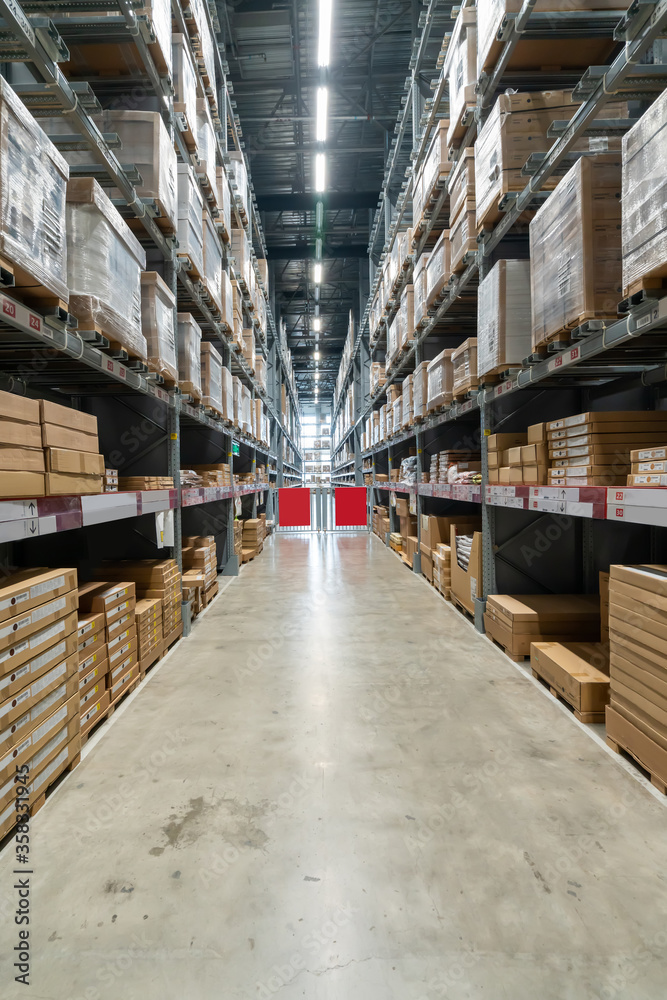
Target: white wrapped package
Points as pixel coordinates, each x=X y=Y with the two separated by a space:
x=104 y=265
x=644 y=201
x=397 y=414
x=190 y=217
x=393 y=337
x=260 y=369
x=205 y=43
x=407 y=405
x=185 y=83
x=407 y=314
x=438 y=268
x=211 y=377
x=436 y=164
x=227 y=301
x=464 y=362
x=249 y=347
x=241 y=254
x=503 y=316
x=146 y=144
x=440 y=378
x=420 y=390
x=158 y=306
x=159 y=12
x=224 y=203
x=227 y=395
x=189 y=356
x=206 y=146
x=240 y=174
x=212 y=261
x=419 y=290
x=236 y=401
x=245 y=409
x=33 y=179
x=462 y=70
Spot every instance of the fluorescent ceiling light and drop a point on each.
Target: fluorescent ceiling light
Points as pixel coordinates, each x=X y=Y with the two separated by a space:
x=317 y=376
x=316 y=355
x=324 y=43
x=317 y=324
x=317 y=274
x=322 y=105
x=320 y=172
x=319 y=215
x=318 y=248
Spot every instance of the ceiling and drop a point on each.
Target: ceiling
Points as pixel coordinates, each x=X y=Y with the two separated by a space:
x=272 y=53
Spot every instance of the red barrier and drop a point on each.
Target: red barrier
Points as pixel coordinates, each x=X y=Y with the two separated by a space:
x=294 y=507
x=351 y=507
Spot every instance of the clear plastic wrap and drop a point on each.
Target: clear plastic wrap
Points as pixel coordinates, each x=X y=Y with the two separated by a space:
x=241 y=254
x=224 y=202
x=245 y=409
x=375 y=427
x=237 y=163
x=644 y=202
x=575 y=249
x=185 y=82
x=389 y=420
x=440 y=380
x=260 y=369
x=419 y=290
x=377 y=377
x=159 y=11
x=463 y=238
x=383 y=422
x=397 y=415
x=420 y=390
x=436 y=164
x=211 y=377
x=206 y=146
x=157 y=323
x=462 y=69
x=189 y=355
x=227 y=300
x=205 y=49
x=462 y=184
x=393 y=339
x=34 y=181
x=190 y=217
x=249 y=347
x=408 y=471
x=236 y=401
x=503 y=316
x=438 y=268
x=227 y=384
x=407 y=313
x=212 y=261
x=104 y=265
x=464 y=365
x=407 y=408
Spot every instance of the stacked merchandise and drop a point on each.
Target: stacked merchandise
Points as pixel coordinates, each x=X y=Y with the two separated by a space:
x=21 y=452
x=211 y=377
x=93 y=657
x=442 y=569
x=594 y=449
x=577 y=672
x=504 y=458
x=433 y=172
x=649 y=467
x=437 y=531
x=189 y=356
x=190 y=222
x=148 y=623
x=462 y=231
x=407 y=402
x=437 y=271
x=604 y=609
x=381 y=524
x=254 y=533
x=158 y=305
x=503 y=319
x=201 y=556
x=462 y=72
x=153 y=578
x=458 y=466
x=408 y=471
x=466 y=564
x=434 y=469
x=190 y=479
x=377 y=378
x=440 y=381
x=407 y=523
x=71 y=450
x=514 y=622
x=116 y=602
x=637 y=714
x=420 y=391
x=193 y=589
x=396 y=542
x=132 y=483
x=419 y=285
x=39 y=698
x=214 y=475
x=238 y=539
x=110 y=481
x=464 y=368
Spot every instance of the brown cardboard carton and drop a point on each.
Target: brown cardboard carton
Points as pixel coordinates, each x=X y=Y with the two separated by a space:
x=44 y=740
x=96 y=596
x=426 y=561
x=21 y=484
x=650 y=754
x=124 y=682
x=95 y=675
x=18 y=435
x=25 y=709
x=28 y=588
x=94 y=712
x=569 y=669
x=64 y=484
x=536 y=434
x=466 y=583
x=90 y=659
x=14 y=630
x=80 y=463
x=500 y=442
x=13 y=407
x=17 y=459
x=14 y=677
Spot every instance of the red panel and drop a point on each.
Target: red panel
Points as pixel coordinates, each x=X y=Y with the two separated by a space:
x=294 y=507
x=351 y=509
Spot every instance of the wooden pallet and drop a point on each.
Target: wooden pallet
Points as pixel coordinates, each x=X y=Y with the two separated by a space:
x=24 y=287
x=516 y=657
x=654 y=282
x=655 y=779
x=636 y=744
x=188 y=135
x=461 y=607
x=564 y=336
x=586 y=717
x=462 y=391
x=189 y=267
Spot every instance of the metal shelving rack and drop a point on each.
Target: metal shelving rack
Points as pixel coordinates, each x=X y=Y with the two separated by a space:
x=110 y=383
x=625 y=356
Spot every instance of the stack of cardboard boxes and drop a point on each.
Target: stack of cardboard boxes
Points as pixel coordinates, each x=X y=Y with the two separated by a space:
x=132 y=483
x=648 y=467
x=110 y=481
x=594 y=449
x=577 y=672
x=436 y=531
x=381 y=521
x=152 y=579
x=148 y=623
x=238 y=539
x=201 y=563
x=254 y=533
x=637 y=714
x=515 y=622
x=93 y=668
x=116 y=601
x=519 y=459
x=442 y=569
x=39 y=698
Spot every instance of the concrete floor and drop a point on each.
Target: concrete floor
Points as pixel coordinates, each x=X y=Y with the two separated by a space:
x=337 y=790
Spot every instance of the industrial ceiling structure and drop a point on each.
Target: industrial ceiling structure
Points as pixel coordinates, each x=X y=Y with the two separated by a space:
x=318 y=86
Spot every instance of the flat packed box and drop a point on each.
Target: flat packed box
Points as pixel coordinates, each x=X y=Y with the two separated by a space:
x=74 y=462
x=96 y=596
x=23 y=710
x=21 y=484
x=503 y=317
x=14 y=630
x=94 y=711
x=578 y=614
x=14 y=675
x=466 y=581
x=28 y=588
x=64 y=484
x=575 y=671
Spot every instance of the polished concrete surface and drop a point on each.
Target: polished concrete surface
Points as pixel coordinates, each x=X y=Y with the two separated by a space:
x=337 y=790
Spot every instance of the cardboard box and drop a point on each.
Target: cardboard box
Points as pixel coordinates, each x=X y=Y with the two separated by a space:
x=14 y=630
x=18 y=435
x=426 y=561
x=466 y=583
x=55 y=436
x=18 y=459
x=78 y=463
x=14 y=676
x=94 y=712
x=64 y=484
x=121 y=624
x=536 y=434
x=65 y=416
x=570 y=668
x=122 y=639
x=90 y=659
x=20 y=408
x=123 y=683
x=95 y=675
x=513 y=455
x=25 y=710
x=21 y=484
x=645 y=750
x=500 y=442
x=44 y=740
x=504 y=475
x=29 y=588
x=535 y=454
x=435 y=530
x=96 y=596
x=534 y=475
x=92 y=693
x=121 y=653
x=561 y=614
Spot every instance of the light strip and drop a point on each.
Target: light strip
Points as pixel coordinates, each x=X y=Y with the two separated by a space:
x=320 y=172
x=317 y=324
x=317 y=274
x=322 y=110
x=324 y=44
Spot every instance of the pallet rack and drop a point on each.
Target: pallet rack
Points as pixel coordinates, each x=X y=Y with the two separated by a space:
x=148 y=427
x=621 y=364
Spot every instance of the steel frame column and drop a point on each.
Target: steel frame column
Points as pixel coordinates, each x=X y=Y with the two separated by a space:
x=419 y=444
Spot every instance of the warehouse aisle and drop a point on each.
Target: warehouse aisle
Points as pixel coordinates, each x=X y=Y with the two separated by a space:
x=336 y=790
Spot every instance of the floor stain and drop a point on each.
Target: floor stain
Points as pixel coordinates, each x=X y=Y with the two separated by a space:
x=114 y=886
x=156 y=851
x=310 y=878
x=251 y=942
x=536 y=872
x=175 y=874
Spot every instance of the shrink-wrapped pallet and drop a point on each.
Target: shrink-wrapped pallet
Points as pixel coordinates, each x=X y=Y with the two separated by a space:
x=158 y=306
x=393 y=339
x=644 y=200
x=159 y=13
x=249 y=347
x=407 y=313
x=260 y=369
x=503 y=317
x=227 y=300
x=575 y=249
x=241 y=253
x=33 y=176
x=206 y=147
x=464 y=367
x=190 y=218
x=236 y=401
x=462 y=75
x=212 y=276
x=438 y=269
x=245 y=409
x=211 y=377
x=104 y=265
x=420 y=390
x=462 y=185
x=227 y=394
x=419 y=286
x=189 y=356
x=440 y=378
x=240 y=178
x=436 y=165
x=463 y=239
x=407 y=407
x=224 y=203
x=185 y=85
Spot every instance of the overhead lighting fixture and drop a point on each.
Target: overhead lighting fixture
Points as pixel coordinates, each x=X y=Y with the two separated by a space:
x=320 y=172
x=317 y=274
x=324 y=43
x=316 y=355
x=319 y=215
x=317 y=324
x=322 y=106
x=318 y=248
x=317 y=376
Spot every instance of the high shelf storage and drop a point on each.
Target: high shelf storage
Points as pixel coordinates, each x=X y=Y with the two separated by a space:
x=82 y=75
x=535 y=537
